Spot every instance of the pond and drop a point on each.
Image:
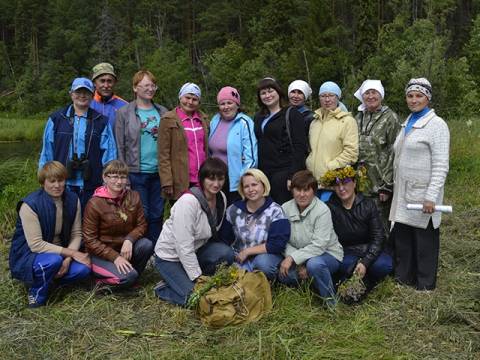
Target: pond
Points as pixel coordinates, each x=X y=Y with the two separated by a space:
x=20 y=150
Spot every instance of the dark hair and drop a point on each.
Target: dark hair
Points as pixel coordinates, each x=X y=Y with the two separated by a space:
x=212 y=168
x=266 y=83
x=304 y=179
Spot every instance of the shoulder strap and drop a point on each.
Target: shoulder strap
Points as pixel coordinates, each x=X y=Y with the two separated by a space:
x=287 y=126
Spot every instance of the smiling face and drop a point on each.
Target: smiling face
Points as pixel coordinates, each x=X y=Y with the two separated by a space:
x=115 y=183
x=416 y=101
x=212 y=185
x=104 y=84
x=145 y=89
x=345 y=190
x=253 y=189
x=296 y=97
x=189 y=103
x=372 y=100
x=228 y=109
x=81 y=98
x=303 y=197
x=328 y=101
x=269 y=97
x=54 y=187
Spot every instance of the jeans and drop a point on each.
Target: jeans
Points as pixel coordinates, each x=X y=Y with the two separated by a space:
x=377 y=270
x=106 y=272
x=320 y=268
x=266 y=263
x=178 y=286
x=149 y=188
x=45 y=267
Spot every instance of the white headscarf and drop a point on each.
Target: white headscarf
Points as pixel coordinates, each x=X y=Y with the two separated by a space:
x=302 y=86
x=368 y=85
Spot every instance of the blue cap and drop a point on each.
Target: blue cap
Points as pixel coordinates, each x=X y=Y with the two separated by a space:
x=330 y=87
x=79 y=83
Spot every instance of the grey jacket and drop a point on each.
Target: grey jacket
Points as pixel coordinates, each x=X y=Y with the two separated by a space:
x=420 y=170
x=127 y=135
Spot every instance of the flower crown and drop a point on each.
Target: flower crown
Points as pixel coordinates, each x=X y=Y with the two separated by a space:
x=337 y=176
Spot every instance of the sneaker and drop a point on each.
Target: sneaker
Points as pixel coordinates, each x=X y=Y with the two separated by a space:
x=103 y=289
x=33 y=303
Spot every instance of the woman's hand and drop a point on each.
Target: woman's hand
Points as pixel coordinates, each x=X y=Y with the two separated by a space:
x=428 y=207
x=126 y=250
x=64 y=268
x=285 y=265
x=123 y=265
x=302 y=272
x=82 y=258
x=360 y=270
x=168 y=190
x=242 y=256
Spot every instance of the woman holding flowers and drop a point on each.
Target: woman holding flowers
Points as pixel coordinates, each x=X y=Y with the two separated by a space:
x=256 y=226
x=313 y=250
x=359 y=227
x=188 y=246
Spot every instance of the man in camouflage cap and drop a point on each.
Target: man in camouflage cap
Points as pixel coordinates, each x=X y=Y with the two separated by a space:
x=104 y=100
x=378 y=127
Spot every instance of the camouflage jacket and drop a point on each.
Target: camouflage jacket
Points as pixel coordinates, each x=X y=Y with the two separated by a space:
x=377 y=133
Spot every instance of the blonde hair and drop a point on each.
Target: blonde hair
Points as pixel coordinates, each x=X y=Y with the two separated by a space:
x=52 y=170
x=257 y=175
x=115 y=167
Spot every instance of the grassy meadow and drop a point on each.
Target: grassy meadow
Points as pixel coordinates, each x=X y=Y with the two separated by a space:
x=17 y=128
x=393 y=323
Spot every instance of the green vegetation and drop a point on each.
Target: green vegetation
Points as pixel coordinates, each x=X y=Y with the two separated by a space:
x=17 y=128
x=393 y=323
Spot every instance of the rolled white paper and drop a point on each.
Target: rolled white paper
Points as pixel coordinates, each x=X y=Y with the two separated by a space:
x=442 y=208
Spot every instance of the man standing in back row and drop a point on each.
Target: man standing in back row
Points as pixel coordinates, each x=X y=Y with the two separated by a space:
x=104 y=100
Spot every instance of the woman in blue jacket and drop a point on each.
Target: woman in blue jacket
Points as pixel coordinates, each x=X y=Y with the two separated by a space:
x=232 y=139
x=48 y=235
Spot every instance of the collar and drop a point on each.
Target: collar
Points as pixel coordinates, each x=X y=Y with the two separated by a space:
x=297 y=215
x=183 y=116
x=242 y=205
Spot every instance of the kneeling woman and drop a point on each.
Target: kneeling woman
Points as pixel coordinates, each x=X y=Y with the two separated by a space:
x=313 y=250
x=47 y=236
x=113 y=230
x=256 y=226
x=187 y=246
x=358 y=224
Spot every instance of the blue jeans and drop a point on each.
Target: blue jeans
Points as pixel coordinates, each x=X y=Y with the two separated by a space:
x=377 y=270
x=149 y=188
x=266 y=263
x=178 y=286
x=45 y=267
x=320 y=268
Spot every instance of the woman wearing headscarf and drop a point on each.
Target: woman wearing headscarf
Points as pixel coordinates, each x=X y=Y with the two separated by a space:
x=232 y=139
x=420 y=169
x=298 y=93
x=378 y=126
x=182 y=143
x=282 y=144
x=333 y=135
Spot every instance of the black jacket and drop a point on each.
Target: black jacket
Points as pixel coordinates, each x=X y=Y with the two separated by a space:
x=359 y=229
x=275 y=152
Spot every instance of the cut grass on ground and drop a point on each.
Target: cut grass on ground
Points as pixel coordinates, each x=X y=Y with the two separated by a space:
x=393 y=323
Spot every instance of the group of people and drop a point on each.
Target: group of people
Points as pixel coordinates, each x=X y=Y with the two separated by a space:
x=300 y=195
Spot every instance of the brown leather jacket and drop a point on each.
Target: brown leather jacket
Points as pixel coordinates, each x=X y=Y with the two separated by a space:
x=106 y=225
x=173 y=152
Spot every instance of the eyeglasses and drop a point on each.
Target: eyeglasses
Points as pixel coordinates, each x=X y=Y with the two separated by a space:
x=118 y=177
x=148 y=87
x=327 y=96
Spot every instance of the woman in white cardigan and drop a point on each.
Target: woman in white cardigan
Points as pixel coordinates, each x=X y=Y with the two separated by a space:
x=420 y=169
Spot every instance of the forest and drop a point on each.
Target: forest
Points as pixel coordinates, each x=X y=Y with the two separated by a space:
x=45 y=44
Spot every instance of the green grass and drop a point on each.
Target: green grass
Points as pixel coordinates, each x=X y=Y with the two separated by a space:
x=16 y=128
x=394 y=322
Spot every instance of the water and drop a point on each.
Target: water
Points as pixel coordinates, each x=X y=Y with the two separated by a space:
x=20 y=150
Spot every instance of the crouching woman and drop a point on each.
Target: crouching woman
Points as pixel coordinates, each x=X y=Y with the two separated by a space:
x=313 y=250
x=187 y=246
x=47 y=236
x=114 y=227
